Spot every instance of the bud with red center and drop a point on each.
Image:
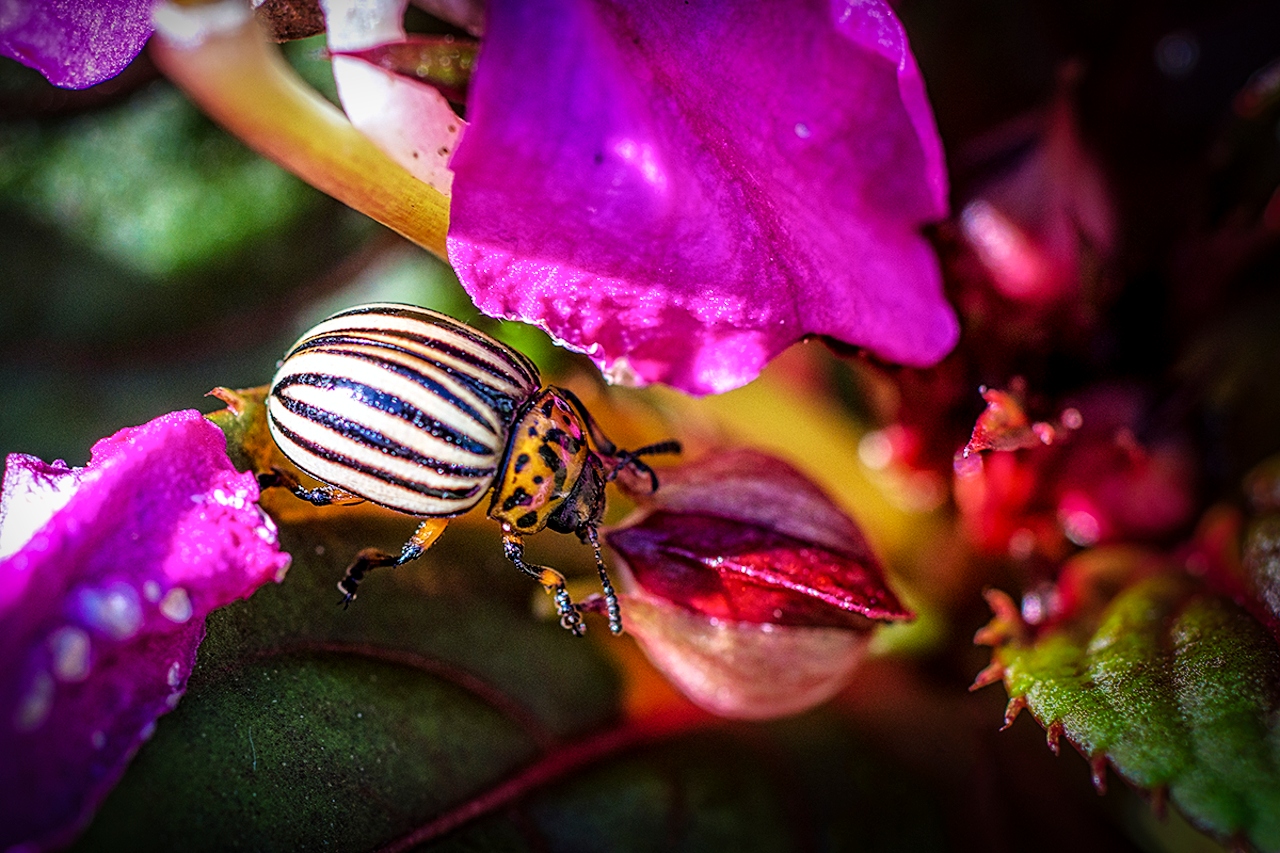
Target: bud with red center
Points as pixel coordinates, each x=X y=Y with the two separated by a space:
x=748 y=587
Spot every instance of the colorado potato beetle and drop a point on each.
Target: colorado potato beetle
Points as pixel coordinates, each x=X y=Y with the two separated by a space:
x=418 y=412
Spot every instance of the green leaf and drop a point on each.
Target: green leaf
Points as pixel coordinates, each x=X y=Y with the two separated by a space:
x=305 y=726
x=439 y=700
x=1176 y=688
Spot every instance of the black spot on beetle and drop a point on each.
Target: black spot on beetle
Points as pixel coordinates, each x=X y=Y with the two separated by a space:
x=533 y=431
x=521 y=461
x=537 y=479
x=517 y=498
x=529 y=519
x=550 y=457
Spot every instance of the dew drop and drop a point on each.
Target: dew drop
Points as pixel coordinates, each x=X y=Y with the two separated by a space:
x=802 y=130
x=69 y=647
x=34 y=707
x=151 y=591
x=1177 y=54
x=176 y=605
x=98 y=739
x=114 y=610
x=1022 y=544
x=876 y=450
x=1081 y=527
x=174 y=676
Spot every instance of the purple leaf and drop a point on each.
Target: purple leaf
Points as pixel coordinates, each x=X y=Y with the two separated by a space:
x=106 y=575
x=75 y=43
x=683 y=191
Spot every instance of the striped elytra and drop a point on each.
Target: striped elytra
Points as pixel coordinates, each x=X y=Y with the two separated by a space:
x=400 y=405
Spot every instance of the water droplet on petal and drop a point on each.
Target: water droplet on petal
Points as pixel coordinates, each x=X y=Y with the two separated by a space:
x=802 y=130
x=98 y=739
x=115 y=610
x=34 y=707
x=174 y=676
x=69 y=647
x=176 y=605
x=151 y=591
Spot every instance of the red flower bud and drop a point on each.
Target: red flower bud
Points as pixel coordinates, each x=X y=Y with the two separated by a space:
x=748 y=587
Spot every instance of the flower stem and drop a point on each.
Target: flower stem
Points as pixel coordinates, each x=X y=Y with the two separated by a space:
x=217 y=54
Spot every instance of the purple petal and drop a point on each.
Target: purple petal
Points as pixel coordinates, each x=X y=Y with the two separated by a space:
x=106 y=575
x=75 y=43
x=683 y=190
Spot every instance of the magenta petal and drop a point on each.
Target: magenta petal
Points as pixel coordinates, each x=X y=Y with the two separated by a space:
x=102 y=608
x=75 y=43
x=683 y=190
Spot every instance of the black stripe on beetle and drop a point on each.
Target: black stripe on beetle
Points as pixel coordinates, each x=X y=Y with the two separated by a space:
x=381 y=473
x=503 y=401
x=388 y=404
x=416 y=376
x=368 y=437
x=514 y=358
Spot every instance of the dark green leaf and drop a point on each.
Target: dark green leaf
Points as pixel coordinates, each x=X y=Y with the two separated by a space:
x=305 y=726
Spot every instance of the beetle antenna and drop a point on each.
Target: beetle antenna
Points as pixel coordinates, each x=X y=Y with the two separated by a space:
x=631 y=459
x=659 y=447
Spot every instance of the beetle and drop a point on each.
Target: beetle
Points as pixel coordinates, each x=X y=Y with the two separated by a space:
x=418 y=412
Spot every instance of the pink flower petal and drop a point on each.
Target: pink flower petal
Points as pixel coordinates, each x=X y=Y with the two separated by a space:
x=411 y=122
x=75 y=43
x=743 y=669
x=102 y=606
x=682 y=191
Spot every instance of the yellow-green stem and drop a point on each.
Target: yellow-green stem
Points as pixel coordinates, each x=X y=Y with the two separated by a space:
x=244 y=84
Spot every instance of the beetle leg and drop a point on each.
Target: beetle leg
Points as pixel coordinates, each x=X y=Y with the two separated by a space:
x=321 y=496
x=371 y=558
x=588 y=533
x=551 y=580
